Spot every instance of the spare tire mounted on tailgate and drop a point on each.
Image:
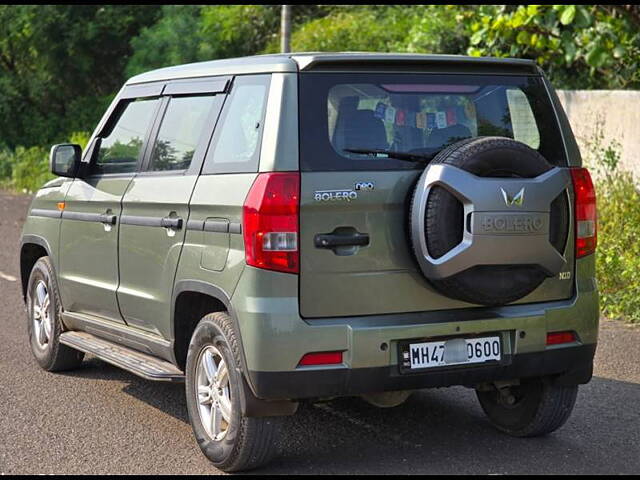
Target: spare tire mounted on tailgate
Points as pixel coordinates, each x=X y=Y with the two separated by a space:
x=489 y=220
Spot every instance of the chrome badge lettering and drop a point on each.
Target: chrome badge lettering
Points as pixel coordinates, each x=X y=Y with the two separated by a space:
x=364 y=186
x=335 y=195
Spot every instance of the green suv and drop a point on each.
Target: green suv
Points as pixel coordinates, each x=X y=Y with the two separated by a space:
x=288 y=228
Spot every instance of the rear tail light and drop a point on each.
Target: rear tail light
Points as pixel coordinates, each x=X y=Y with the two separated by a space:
x=270 y=222
x=556 y=338
x=585 y=212
x=321 y=358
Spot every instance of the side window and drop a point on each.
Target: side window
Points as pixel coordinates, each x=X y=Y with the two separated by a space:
x=523 y=122
x=120 y=147
x=236 y=142
x=182 y=126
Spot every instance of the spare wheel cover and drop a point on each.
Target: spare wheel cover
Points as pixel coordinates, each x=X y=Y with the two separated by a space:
x=490 y=220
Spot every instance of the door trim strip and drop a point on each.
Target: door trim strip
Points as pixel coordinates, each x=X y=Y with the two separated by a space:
x=44 y=212
x=83 y=216
x=141 y=221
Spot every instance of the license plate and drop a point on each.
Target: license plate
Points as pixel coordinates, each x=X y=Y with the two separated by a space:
x=455 y=351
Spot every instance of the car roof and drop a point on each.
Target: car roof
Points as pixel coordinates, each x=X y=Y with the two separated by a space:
x=295 y=62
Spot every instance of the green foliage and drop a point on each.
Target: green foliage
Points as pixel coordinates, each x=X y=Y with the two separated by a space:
x=27 y=169
x=239 y=30
x=379 y=28
x=580 y=46
x=6 y=166
x=60 y=65
x=81 y=138
x=439 y=29
x=30 y=169
x=176 y=38
x=618 y=255
x=191 y=33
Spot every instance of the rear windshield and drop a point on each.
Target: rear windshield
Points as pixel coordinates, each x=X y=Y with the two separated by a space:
x=417 y=115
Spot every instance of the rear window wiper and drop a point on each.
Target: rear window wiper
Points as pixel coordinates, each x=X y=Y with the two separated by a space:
x=381 y=153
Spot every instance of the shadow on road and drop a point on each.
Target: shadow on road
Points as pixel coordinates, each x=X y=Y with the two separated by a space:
x=445 y=431
x=165 y=396
x=435 y=431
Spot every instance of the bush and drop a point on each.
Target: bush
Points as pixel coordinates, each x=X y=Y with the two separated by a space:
x=618 y=255
x=381 y=29
x=6 y=165
x=27 y=169
x=81 y=138
x=30 y=169
x=439 y=29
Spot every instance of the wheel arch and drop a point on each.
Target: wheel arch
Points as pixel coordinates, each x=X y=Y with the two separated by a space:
x=32 y=248
x=192 y=300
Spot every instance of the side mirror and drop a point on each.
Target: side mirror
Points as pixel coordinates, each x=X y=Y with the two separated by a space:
x=64 y=159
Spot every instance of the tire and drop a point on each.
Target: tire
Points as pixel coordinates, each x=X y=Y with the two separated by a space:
x=490 y=285
x=540 y=407
x=246 y=443
x=44 y=325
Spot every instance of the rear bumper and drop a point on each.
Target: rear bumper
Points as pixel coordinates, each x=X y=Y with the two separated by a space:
x=568 y=365
x=274 y=338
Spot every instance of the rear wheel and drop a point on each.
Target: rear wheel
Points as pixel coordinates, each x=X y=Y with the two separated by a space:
x=533 y=408
x=230 y=440
x=44 y=321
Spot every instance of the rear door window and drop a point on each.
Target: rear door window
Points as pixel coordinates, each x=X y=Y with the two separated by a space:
x=121 y=145
x=182 y=125
x=417 y=114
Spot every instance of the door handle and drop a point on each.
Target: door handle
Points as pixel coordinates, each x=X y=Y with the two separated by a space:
x=174 y=223
x=332 y=240
x=108 y=219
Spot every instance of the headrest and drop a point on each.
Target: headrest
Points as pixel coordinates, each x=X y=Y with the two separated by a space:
x=360 y=129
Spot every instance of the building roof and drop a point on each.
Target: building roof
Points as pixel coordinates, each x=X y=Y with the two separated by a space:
x=294 y=62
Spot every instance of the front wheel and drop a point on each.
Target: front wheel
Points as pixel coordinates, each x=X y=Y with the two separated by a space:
x=533 y=408
x=44 y=311
x=230 y=440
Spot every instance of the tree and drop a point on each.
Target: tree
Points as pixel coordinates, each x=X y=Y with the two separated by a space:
x=357 y=28
x=189 y=33
x=175 y=38
x=60 y=65
x=440 y=29
x=580 y=46
x=239 y=30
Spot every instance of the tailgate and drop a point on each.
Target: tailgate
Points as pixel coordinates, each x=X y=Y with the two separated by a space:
x=361 y=202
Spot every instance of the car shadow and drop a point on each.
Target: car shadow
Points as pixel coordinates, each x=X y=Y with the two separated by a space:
x=444 y=431
x=165 y=396
x=438 y=431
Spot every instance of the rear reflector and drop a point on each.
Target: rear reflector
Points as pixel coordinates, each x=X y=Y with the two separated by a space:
x=556 y=338
x=321 y=358
x=270 y=222
x=585 y=212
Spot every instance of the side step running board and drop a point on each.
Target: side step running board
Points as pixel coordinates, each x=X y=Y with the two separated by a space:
x=139 y=363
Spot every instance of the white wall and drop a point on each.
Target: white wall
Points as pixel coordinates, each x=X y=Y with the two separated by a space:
x=617 y=110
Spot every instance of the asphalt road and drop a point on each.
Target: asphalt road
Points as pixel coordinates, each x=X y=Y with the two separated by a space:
x=100 y=420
